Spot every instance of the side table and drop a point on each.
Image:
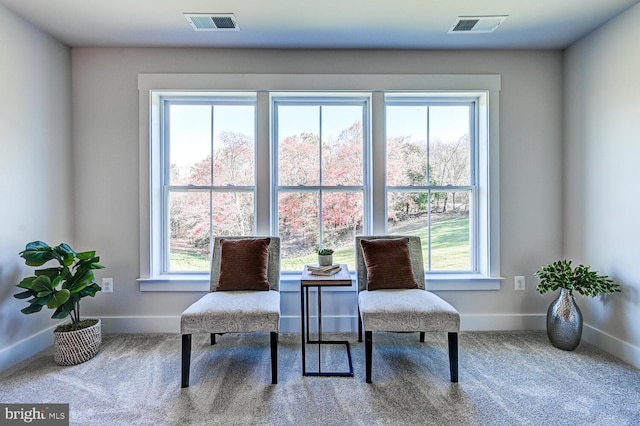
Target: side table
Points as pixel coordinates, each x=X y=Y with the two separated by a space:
x=340 y=279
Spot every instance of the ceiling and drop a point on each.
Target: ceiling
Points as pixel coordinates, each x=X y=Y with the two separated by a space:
x=313 y=24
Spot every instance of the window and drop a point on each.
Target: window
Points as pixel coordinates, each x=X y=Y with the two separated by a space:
x=431 y=180
x=208 y=177
x=397 y=154
x=319 y=198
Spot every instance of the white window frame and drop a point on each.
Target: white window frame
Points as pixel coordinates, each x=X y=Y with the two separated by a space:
x=486 y=87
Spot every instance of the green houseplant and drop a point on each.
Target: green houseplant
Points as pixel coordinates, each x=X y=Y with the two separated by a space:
x=61 y=288
x=564 y=318
x=325 y=257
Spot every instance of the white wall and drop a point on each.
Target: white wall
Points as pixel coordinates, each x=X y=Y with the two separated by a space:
x=602 y=158
x=35 y=170
x=105 y=111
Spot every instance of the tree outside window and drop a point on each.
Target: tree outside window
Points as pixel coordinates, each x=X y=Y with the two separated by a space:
x=210 y=186
x=320 y=178
x=430 y=179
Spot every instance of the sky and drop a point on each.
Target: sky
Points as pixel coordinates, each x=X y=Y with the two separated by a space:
x=191 y=124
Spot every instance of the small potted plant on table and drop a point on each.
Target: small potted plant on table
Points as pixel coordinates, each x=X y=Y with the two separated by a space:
x=325 y=257
x=61 y=288
x=564 y=318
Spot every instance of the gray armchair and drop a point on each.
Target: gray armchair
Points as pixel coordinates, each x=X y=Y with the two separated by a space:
x=244 y=296
x=403 y=309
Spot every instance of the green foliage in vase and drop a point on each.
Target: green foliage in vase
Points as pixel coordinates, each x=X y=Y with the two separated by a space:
x=560 y=274
x=325 y=252
x=60 y=287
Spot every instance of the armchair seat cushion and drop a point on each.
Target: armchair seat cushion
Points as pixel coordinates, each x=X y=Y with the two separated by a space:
x=233 y=312
x=406 y=310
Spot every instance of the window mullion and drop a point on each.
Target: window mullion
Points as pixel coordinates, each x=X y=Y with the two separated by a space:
x=320 y=168
x=212 y=181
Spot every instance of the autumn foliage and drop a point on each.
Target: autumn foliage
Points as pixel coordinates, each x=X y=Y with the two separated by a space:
x=320 y=188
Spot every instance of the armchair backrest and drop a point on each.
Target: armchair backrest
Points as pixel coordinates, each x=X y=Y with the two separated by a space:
x=415 y=251
x=273 y=267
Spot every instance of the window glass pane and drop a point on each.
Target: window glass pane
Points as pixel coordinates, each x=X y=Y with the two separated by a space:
x=189 y=144
x=298 y=145
x=406 y=130
x=450 y=242
x=440 y=219
x=407 y=213
x=189 y=231
x=342 y=220
x=233 y=213
x=320 y=145
x=449 y=145
x=234 y=145
x=298 y=225
x=450 y=237
x=342 y=143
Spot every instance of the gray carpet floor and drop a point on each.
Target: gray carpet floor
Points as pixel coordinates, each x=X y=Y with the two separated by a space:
x=506 y=378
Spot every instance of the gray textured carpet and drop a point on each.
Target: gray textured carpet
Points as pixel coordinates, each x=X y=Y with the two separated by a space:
x=505 y=379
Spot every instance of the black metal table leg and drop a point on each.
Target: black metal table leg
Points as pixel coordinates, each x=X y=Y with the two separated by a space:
x=302 y=324
x=319 y=341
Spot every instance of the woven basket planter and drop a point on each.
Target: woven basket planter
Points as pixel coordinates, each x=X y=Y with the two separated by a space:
x=76 y=347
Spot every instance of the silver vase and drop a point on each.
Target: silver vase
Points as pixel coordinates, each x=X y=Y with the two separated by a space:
x=564 y=322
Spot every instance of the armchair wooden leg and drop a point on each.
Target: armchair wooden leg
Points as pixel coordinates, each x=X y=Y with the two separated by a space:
x=213 y=338
x=274 y=357
x=368 y=343
x=359 y=326
x=422 y=333
x=453 y=356
x=186 y=359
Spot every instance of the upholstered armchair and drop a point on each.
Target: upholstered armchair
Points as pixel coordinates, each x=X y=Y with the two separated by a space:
x=392 y=295
x=244 y=296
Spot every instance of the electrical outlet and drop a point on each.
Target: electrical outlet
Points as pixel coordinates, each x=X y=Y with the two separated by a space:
x=519 y=283
x=107 y=285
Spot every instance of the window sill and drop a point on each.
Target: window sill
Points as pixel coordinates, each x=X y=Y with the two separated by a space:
x=290 y=282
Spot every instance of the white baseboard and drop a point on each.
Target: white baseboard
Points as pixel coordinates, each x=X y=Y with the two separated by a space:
x=141 y=324
x=503 y=322
x=26 y=348
x=330 y=323
x=612 y=345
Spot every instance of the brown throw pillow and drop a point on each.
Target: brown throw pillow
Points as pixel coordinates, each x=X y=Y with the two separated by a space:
x=243 y=264
x=388 y=263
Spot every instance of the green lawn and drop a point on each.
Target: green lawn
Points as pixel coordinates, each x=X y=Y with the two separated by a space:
x=449 y=240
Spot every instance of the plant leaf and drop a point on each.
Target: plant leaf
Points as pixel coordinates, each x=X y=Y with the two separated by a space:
x=86 y=255
x=58 y=298
x=41 y=283
x=66 y=253
x=50 y=272
x=44 y=293
x=90 y=290
x=56 y=281
x=24 y=294
x=80 y=281
x=39 y=301
x=38 y=253
x=62 y=311
x=31 y=309
x=27 y=282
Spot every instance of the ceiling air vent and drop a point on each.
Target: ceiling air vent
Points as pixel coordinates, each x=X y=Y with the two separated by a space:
x=476 y=24
x=212 y=21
